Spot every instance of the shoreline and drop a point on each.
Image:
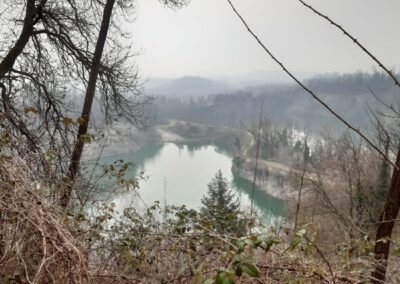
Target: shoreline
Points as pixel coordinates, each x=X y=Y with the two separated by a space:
x=272 y=183
x=236 y=143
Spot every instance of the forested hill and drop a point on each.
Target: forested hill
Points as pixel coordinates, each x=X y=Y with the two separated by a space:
x=350 y=95
x=187 y=86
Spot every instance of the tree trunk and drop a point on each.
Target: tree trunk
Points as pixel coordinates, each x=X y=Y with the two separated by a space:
x=296 y=216
x=29 y=21
x=385 y=227
x=87 y=106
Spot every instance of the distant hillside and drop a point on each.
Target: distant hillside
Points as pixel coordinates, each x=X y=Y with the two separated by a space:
x=261 y=78
x=350 y=95
x=188 y=86
x=194 y=86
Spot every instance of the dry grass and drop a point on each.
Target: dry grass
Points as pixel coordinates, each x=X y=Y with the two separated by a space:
x=35 y=245
x=38 y=246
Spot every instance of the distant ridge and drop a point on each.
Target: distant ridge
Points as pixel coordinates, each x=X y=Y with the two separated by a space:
x=188 y=86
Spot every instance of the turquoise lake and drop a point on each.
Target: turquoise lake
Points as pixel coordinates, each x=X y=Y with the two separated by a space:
x=178 y=174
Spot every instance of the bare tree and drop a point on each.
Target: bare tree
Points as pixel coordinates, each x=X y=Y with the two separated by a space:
x=392 y=205
x=305 y=160
x=47 y=61
x=50 y=60
x=87 y=106
x=90 y=94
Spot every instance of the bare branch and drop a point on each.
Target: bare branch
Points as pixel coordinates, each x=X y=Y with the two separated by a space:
x=391 y=75
x=309 y=91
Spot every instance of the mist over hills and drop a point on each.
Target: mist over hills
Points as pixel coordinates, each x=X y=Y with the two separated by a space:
x=262 y=77
x=188 y=86
x=214 y=102
x=193 y=86
x=351 y=95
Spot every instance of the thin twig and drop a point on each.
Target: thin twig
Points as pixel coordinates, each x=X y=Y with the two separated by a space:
x=346 y=33
x=309 y=91
x=212 y=234
x=323 y=257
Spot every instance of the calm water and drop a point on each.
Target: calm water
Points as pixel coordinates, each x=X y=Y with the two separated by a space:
x=179 y=174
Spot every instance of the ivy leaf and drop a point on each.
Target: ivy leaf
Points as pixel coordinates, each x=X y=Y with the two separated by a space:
x=396 y=248
x=80 y=120
x=301 y=232
x=86 y=138
x=228 y=280
x=223 y=278
x=239 y=270
x=181 y=270
x=240 y=246
x=67 y=121
x=269 y=242
x=251 y=269
x=219 y=279
x=250 y=243
x=295 y=242
x=229 y=271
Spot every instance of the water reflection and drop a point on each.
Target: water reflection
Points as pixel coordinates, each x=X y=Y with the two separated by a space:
x=180 y=173
x=267 y=206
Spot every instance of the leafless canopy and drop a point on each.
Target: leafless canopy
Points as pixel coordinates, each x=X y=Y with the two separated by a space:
x=45 y=56
x=175 y=3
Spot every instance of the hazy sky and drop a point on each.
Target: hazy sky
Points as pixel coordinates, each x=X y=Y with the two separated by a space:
x=207 y=39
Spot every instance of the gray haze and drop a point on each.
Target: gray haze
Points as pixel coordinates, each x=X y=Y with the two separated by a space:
x=206 y=39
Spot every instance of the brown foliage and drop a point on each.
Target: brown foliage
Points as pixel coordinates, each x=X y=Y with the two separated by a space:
x=36 y=246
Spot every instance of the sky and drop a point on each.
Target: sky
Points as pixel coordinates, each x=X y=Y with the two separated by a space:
x=207 y=39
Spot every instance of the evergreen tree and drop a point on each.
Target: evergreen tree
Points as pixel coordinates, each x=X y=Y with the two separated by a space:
x=220 y=210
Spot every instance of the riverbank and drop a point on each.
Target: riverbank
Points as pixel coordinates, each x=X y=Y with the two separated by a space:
x=237 y=143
